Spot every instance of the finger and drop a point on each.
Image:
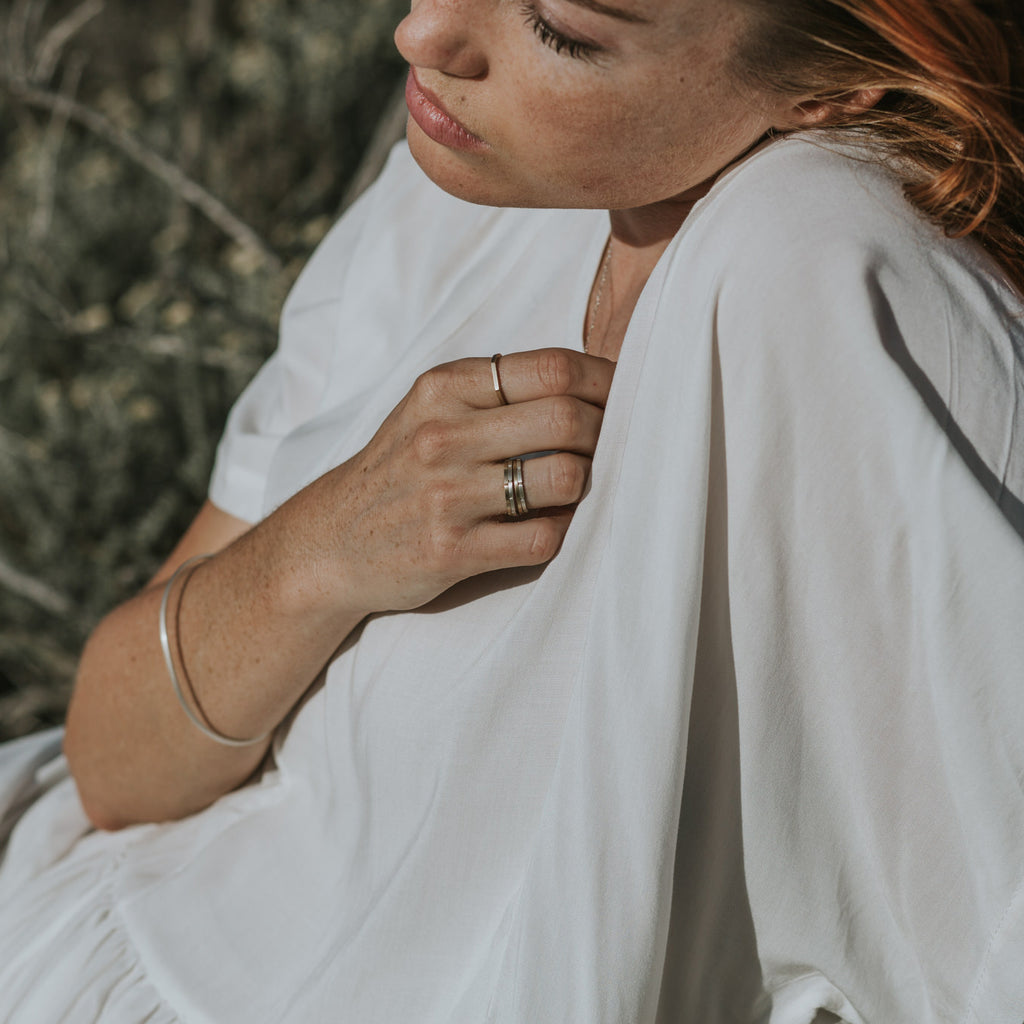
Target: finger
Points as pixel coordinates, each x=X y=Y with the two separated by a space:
x=484 y=437
x=550 y=372
x=524 y=376
x=503 y=545
x=547 y=424
x=478 y=440
x=549 y=482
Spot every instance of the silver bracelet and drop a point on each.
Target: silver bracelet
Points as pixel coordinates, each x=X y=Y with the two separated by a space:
x=165 y=645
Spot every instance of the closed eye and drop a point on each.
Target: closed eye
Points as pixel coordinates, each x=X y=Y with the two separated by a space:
x=558 y=41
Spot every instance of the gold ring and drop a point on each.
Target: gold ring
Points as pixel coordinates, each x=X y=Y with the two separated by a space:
x=510 y=489
x=520 y=488
x=495 y=359
x=515 y=490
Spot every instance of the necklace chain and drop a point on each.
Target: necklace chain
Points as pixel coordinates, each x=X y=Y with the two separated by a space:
x=606 y=262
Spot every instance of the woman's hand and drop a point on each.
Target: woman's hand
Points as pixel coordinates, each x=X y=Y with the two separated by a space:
x=417 y=510
x=422 y=506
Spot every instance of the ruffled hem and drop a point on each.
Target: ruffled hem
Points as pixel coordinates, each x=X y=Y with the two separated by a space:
x=64 y=954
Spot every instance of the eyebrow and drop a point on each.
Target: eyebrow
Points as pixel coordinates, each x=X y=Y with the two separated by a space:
x=611 y=12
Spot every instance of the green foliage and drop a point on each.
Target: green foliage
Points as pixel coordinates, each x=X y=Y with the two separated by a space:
x=129 y=320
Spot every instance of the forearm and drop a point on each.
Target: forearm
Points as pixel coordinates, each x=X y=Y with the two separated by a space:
x=415 y=511
x=254 y=629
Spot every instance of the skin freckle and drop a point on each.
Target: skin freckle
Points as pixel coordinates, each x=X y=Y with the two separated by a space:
x=623 y=132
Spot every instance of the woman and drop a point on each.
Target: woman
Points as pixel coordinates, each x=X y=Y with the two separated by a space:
x=729 y=730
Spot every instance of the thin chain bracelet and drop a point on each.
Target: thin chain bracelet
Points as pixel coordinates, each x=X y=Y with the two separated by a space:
x=165 y=645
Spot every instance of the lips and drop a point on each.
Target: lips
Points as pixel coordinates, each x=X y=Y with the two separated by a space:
x=435 y=122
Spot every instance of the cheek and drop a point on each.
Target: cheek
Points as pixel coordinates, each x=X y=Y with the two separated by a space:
x=561 y=140
x=680 y=136
x=615 y=152
x=586 y=138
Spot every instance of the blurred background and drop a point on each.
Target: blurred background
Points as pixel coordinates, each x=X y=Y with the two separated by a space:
x=165 y=171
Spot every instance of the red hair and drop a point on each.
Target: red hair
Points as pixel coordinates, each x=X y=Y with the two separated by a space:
x=953 y=109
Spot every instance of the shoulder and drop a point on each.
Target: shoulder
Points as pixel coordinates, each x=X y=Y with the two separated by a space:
x=809 y=205
x=815 y=212
x=811 y=252
x=837 y=301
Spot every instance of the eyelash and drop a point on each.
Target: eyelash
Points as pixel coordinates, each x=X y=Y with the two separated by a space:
x=550 y=36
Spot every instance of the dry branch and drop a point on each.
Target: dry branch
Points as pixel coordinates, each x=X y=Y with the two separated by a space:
x=33 y=590
x=170 y=174
x=46 y=183
x=52 y=45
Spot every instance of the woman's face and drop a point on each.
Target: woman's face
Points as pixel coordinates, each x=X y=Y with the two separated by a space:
x=578 y=103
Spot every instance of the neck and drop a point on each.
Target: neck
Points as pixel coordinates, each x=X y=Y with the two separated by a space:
x=654 y=225
x=638 y=238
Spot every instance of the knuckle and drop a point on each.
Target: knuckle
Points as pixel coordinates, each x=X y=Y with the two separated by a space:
x=427 y=385
x=444 y=542
x=565 y=419
x=431 y=441
x=556 y=370
x=568 y=478
x=440 y=499
x=464 y=375
x=436 y=384
x=545 y=541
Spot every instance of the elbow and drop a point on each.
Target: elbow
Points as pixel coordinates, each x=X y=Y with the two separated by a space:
x=113 y=795
x=100 y=815
x=95 y=752
x=97 y=765
x=100 y=818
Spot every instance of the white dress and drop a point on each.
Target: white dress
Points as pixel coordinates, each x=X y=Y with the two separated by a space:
x=750 y=746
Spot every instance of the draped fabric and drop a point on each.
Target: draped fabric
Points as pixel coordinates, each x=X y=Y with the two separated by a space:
x=749 y=747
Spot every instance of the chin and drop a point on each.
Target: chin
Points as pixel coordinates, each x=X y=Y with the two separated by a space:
x=462 y=175
x=474 y=178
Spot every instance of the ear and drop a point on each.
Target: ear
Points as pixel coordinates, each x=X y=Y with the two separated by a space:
x=808 y=113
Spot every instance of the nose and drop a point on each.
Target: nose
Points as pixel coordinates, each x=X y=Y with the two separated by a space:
x=442 y=35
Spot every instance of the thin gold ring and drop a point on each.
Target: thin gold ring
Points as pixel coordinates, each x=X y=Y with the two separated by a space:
x=495 y=359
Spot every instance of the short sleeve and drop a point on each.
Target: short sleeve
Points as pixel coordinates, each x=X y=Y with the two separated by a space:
x=288 y=388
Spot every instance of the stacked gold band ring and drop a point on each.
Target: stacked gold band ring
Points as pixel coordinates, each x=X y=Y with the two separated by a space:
x=515 y=490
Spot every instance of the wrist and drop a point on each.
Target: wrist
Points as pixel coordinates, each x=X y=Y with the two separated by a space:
x=304 y=575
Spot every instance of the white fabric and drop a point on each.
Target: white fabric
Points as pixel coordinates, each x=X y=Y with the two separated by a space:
x=785 y=627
